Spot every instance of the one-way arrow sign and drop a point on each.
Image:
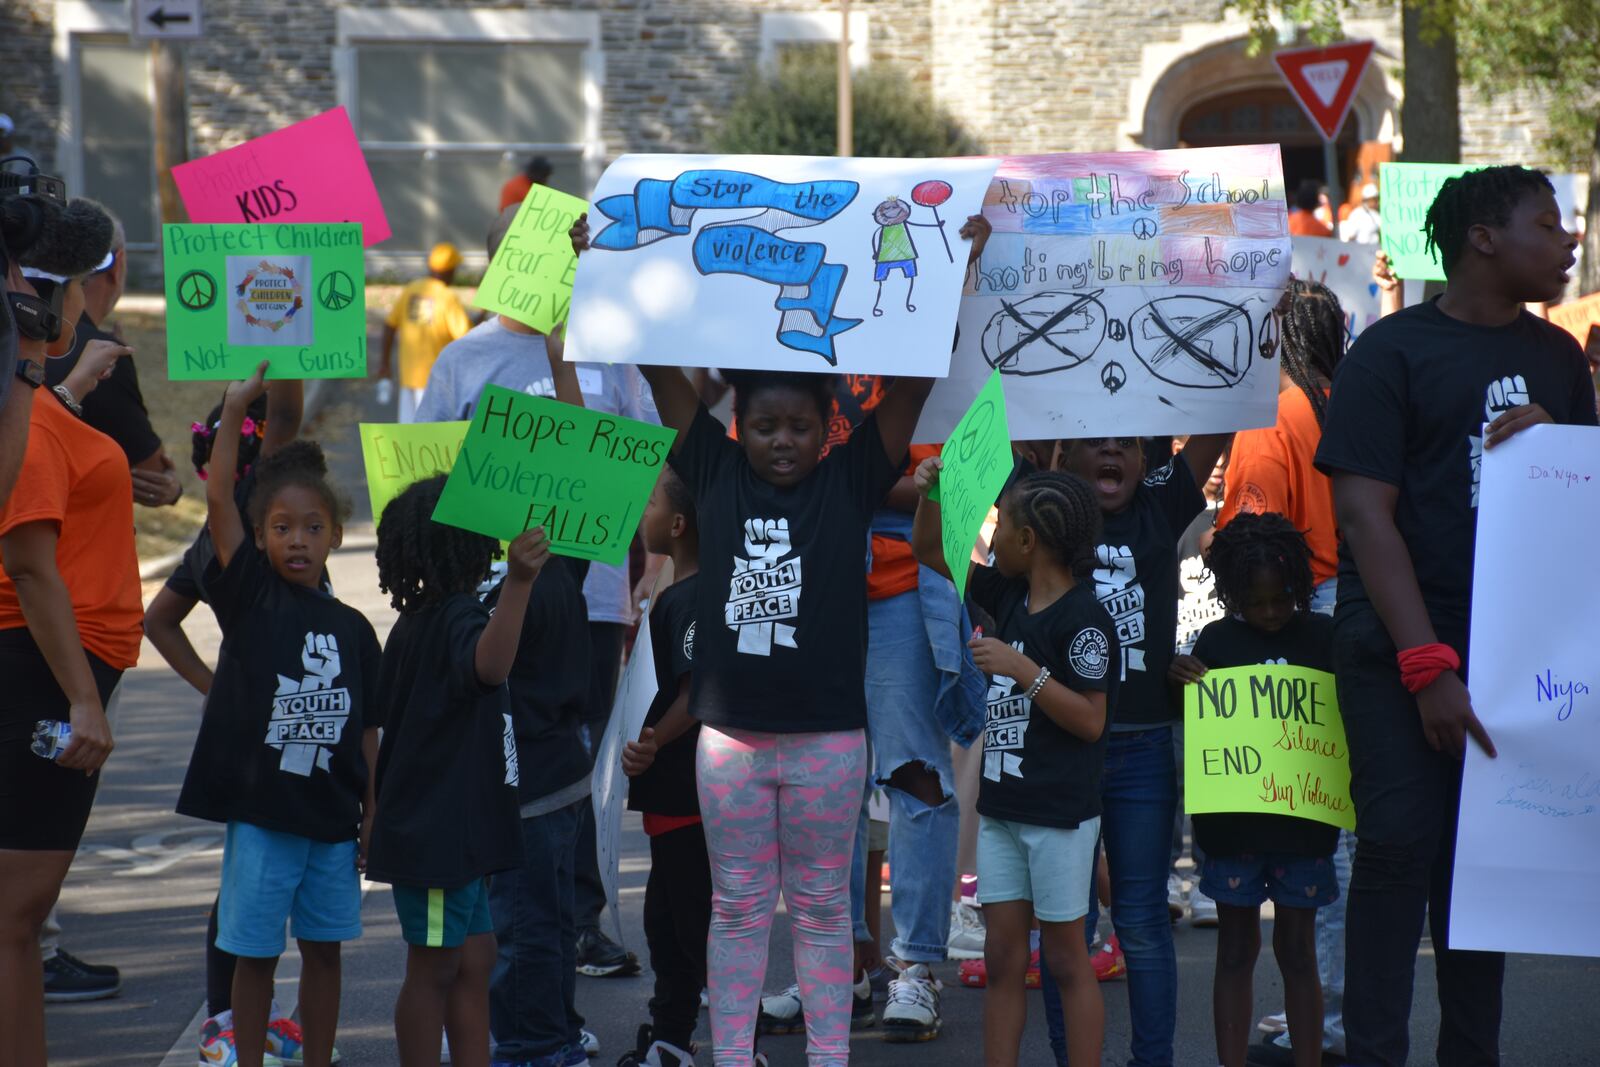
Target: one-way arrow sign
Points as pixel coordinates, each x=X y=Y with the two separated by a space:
x=1324 y=80
x=166 y=19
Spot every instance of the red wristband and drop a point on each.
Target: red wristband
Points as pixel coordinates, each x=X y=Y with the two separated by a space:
x=1420 y=667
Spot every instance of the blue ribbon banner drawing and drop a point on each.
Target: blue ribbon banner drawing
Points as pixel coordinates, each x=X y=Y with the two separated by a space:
x=808 y=287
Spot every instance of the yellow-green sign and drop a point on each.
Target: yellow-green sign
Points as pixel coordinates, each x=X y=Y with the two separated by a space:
x=531 y=461
x=530 y=277
x=1407 y=191
x=1266 y=740
x=293 y=294
x=977 y=462
x=397 y=454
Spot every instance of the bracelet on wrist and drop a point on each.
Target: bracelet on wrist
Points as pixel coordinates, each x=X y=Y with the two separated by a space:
x=69 y=401
x=1038 y=683
x=1420 y=667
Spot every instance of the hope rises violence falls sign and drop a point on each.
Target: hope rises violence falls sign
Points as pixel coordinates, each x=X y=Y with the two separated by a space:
x=1269 y=740
x=531 y=461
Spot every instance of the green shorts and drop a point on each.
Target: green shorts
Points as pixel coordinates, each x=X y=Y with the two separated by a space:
x=443 y=918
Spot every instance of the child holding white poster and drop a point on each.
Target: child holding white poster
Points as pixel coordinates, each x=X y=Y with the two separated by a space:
x=1418 y=398
x=1263 y=575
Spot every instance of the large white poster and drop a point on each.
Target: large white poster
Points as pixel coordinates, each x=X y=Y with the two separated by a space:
x=776 y=262
x=1528 y=850
x=1345 y=268
x=1126 y=293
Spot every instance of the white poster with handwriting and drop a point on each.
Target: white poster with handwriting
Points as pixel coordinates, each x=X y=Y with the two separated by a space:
x=609 y=788
x=1528 y=848
x=776 y=263
x=1346 y=269
x=1125 y=293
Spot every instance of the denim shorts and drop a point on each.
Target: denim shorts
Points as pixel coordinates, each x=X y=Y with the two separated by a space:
x=443 y=918
x=1288 y=881
x=270 y=877
x=1048 y=865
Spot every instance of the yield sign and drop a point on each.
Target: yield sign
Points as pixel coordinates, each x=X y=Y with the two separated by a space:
x=1324 y=80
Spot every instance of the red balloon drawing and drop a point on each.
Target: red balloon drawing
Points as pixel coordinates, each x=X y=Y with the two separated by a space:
x=931 y=193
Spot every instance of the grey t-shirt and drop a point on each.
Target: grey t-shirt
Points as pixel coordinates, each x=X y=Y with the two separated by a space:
x=491 y=354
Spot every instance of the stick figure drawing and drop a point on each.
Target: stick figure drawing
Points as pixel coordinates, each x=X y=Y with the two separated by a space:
x=894 y=249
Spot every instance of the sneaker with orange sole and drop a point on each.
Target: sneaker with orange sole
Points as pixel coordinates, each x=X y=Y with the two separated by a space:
x=975 y=973
x=1109 y=964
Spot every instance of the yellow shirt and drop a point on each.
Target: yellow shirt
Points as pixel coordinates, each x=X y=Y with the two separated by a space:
x=427 y=317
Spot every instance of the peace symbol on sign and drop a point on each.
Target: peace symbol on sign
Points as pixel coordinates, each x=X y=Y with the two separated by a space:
x=336 y=291
x=1144 y=228
x=197 y=290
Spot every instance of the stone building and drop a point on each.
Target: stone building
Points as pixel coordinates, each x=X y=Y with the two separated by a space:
x=448 y=96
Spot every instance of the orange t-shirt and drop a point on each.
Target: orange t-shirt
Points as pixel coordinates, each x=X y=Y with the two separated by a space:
x=76 y=478
x=894 y=567
x=515 y=190
x=1272 y=470
x=1306 y=224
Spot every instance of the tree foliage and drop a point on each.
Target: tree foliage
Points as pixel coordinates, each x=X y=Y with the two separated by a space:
x=794 y=112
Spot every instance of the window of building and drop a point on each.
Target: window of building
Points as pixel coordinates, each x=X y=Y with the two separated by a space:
x=787 y=33
x=450 y=104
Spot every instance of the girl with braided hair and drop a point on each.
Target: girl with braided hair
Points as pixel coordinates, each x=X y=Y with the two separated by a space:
x=1271 y=469
x=1262 y=565
x=447 y=771
x=1052 y=663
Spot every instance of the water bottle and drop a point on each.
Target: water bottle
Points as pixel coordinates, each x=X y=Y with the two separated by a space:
x=50 y=738
x=385 y=391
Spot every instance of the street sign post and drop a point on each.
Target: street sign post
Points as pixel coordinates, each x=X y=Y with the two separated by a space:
x=165 y=19
x=1324 y=81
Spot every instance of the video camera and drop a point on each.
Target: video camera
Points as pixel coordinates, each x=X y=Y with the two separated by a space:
x=31 y=207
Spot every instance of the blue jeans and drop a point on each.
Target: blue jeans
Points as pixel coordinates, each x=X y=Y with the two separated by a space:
x=1139 y=798
x=532 y=1010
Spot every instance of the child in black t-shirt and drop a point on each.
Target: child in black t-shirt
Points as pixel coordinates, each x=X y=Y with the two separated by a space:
x=1052 y=662
x=780 y=668
x=677 y=898
x=1416 y=401
x=1262 y=567
x=285 y=749
x=447 y=770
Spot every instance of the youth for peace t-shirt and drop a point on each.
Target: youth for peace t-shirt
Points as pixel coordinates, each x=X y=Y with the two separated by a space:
x=492 y=354
x=781 y=613
x=1305 y=641
x=448 y=767
x=280 y=741
x=1034 y=771
x=1408 y=407
x=1136 y=579
x=668 y=786
x=550 y=687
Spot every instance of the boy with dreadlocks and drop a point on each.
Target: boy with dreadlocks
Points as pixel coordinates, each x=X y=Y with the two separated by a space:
x=447 y=769
x=1403 y=439
x=1263 y=572
x=1052 y=662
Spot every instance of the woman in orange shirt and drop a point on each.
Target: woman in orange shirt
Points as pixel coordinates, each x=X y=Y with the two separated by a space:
x=69 y=626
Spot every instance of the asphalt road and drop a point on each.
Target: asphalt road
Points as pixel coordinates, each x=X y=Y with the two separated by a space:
x=139 y=892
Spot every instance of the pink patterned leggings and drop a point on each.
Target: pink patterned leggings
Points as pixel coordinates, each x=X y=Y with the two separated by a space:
x=780 y=805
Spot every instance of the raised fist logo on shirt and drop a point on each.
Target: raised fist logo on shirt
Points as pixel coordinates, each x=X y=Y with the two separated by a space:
x=1502 y=395
x=308 y=715
x=1005 y=727
x=1116 y=581
x=764 y=589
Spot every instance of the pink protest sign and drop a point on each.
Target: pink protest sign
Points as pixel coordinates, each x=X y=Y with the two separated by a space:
x=312 y=171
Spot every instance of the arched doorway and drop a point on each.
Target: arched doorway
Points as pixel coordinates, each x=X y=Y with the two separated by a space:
x=1270 y=115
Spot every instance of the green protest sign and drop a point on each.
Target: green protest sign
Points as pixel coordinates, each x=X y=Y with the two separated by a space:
x=1407 y=191
x=531 y=461
x=1266 y=739
x=530 y=277
x=292 y=293
x=397 y=454
x=977 y=462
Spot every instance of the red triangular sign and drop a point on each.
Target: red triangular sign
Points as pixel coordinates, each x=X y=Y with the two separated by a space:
x=1324 y=80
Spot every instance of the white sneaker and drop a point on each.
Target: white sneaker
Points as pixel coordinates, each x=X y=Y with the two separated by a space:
x=782 y=1013
x=966 y=932
x=1174 y=897
x=444 y=1048
x=1202 y=909
x=912 y=1010
x=663 y=1054
x=1274 y=1024
x=590 y=1043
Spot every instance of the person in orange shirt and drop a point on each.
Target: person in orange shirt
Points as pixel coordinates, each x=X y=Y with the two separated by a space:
x=1271 y=470
x=427 y=316
x=1303 y=221
x=536 y=171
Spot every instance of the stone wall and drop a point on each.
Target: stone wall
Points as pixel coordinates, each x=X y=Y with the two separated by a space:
x=29 y=90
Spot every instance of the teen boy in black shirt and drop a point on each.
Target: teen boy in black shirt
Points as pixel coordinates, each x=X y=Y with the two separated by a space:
x=1403 y=443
